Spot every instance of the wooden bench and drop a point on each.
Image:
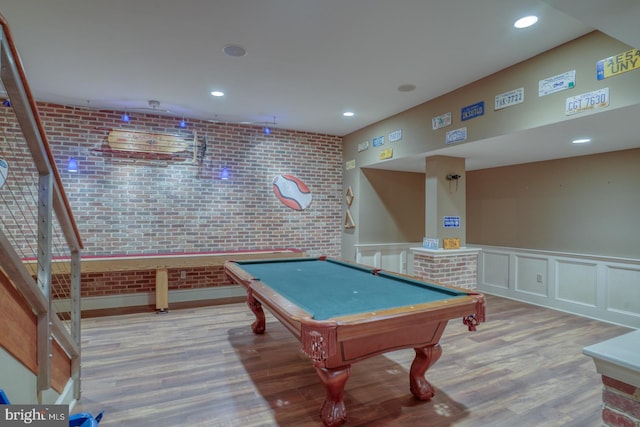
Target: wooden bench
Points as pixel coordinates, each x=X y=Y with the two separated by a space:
x=162 y=263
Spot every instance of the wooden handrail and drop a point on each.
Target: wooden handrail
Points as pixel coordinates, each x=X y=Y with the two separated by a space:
x=51 y=199
x=43 y=136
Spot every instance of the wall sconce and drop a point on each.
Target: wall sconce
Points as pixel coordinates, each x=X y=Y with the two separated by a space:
x=126 y=118
x=267 y=129
x=453 y=177
x=183 y=123
x=225 y=173
x=6 y=103
x=72 y=166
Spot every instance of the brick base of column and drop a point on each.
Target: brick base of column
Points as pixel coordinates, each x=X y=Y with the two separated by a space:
x=457 y=269
x=621 y=403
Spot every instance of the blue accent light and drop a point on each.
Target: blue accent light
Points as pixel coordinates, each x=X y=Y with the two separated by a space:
x=72 y=166
x=224 y=174
x=267 y=131
x=126 y=118
x=6 y=103
x=183 y=124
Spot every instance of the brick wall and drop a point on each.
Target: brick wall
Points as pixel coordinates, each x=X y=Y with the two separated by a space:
x=126 y=282
x=150 y=204
x=458 y=270
x=621 y=403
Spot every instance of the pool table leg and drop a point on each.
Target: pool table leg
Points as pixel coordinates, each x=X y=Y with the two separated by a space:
x=333 y=412
x=425 y=357
x=259 y=326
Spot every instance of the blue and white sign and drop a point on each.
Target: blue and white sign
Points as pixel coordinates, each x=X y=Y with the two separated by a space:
x=557 y=83
x=395 y=136
x=378 y=141
x=428 y=243
x=456 y=135
x=472 y=111
x=451 y=222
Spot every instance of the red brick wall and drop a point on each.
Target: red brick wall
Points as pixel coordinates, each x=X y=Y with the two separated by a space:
x=133 y=204
x=621 y=403
x=458 y=270
x=127 y=282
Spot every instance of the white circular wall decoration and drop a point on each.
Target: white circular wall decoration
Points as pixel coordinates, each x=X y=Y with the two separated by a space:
x=292 y=192
x=4 y=171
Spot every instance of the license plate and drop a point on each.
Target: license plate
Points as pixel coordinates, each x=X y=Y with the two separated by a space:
x=587 y=101
x=510 y=98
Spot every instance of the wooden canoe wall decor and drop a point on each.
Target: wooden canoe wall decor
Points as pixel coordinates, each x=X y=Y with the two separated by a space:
x=147 y=142
x=149 y=145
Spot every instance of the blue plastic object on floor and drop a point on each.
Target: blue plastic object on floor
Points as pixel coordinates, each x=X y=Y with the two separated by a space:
x=81 y=419
x=84 y=419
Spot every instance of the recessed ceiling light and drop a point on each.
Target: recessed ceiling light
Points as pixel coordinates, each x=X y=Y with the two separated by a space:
x=406 y=87
x=217 y=93
x=581 y=140
x=234 y=50
x=525 y=22
x=348 y=114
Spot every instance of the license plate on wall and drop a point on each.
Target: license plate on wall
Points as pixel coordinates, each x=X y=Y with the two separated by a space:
x=587 y=101
x=507 y=99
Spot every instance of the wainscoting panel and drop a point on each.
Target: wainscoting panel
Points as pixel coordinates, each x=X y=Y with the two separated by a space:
x=577 y=282
x=496 y=271
x=369 y=257
x=531 y=275
x=597 y=287
x=396 y=257
x=623 y=285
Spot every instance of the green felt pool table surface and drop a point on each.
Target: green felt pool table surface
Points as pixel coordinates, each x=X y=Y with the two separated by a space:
x=331 y=288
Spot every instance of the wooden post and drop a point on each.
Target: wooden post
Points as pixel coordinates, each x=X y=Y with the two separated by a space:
x=162 y=290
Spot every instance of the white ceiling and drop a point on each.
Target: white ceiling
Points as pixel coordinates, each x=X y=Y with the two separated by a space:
x=307 y=61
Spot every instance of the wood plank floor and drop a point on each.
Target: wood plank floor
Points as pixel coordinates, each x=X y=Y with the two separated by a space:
x=204 y=367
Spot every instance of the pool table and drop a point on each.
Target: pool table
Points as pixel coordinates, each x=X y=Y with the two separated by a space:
x=343 y=312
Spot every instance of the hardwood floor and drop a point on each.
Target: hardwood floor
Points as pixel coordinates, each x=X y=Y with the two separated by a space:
x=204 y=367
